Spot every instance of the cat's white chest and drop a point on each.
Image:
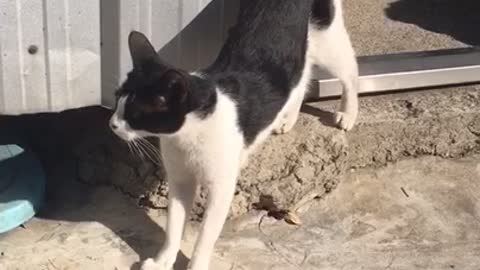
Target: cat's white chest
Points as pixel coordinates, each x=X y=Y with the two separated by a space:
x=200 y=146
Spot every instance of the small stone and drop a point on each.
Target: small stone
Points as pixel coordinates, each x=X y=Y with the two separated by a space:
x=305 y=173
x=474 y=126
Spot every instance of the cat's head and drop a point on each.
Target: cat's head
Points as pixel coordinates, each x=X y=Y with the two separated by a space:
x=153 y=99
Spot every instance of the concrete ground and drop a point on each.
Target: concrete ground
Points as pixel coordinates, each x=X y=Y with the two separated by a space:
x=397 y=213
x=417 y=213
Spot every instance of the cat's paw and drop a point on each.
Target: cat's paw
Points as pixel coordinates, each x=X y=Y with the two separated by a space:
x=281 y=130
x=197 y=267
x=150 y=264
x=345 y=121
x=285 y=125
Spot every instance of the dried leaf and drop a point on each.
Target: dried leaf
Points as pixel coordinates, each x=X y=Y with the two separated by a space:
x=292 y=218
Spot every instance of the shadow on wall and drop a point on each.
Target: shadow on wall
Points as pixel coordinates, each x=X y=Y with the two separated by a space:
x=195 y=47
x=459 y=19
x=199 y=43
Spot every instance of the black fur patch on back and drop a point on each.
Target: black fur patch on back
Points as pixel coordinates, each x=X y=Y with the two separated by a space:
x=262 y=60
x=323 y=13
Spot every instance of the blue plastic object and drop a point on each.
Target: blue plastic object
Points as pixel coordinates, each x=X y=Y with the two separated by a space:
x=22 y=186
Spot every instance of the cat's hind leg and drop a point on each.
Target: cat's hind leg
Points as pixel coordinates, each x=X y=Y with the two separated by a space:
x=288 y=118
x=330 y=48
x=290 y=113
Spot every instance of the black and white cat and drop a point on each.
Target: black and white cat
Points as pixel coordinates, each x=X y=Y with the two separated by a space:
x=209 y=121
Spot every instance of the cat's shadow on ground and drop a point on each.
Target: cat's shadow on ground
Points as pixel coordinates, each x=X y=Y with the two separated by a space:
x=71 y=200
x=325 y=117
x=458 y=19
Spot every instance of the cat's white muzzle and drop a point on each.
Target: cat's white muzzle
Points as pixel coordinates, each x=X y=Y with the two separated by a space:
x=121 y=128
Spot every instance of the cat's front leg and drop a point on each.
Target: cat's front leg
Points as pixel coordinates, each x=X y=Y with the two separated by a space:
x=182 y=189
x=221 y=188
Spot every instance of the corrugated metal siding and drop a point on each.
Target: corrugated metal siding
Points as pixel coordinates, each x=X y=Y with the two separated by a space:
x=65 y=71
x=82 y=46
x=187 y=33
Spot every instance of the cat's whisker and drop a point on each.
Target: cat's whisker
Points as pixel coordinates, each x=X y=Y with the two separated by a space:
x=135 y=149
x=146 y=151
x=139 y=150
x=150 y=151
x=130 y=148
x=154 y=149
x=141 y=147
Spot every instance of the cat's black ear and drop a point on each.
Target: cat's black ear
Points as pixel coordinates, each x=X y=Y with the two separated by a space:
x=141 y=49
x=177 y=84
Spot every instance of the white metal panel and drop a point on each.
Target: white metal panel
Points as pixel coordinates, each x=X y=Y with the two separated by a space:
x=64 y=73
x=187 y=33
